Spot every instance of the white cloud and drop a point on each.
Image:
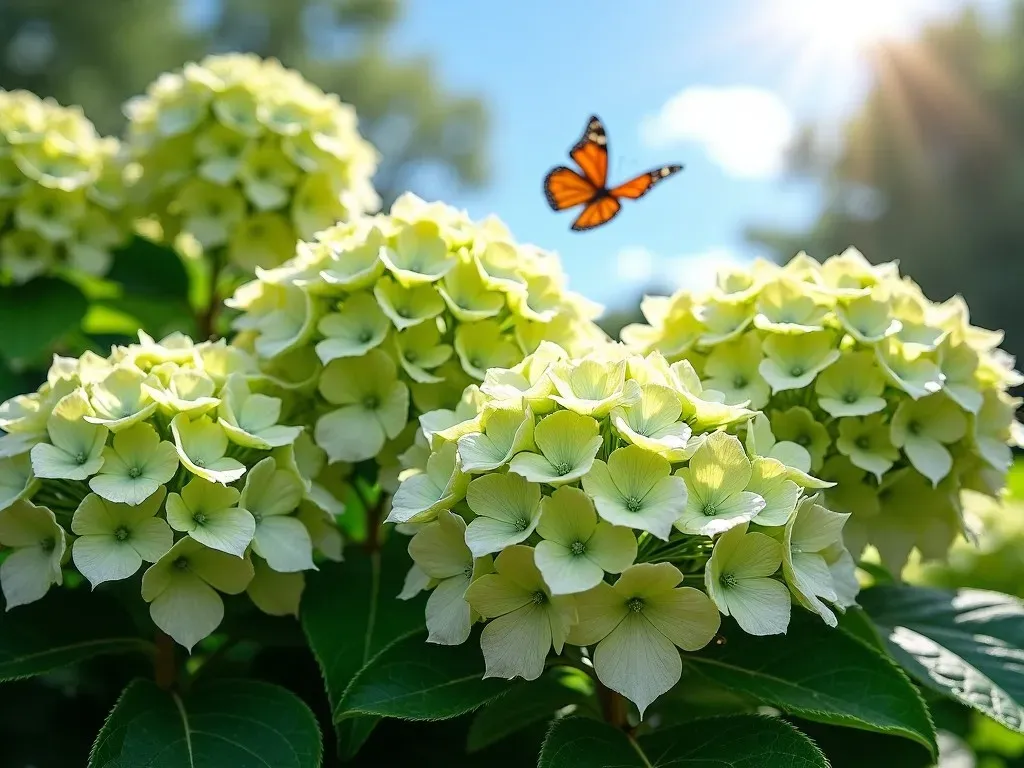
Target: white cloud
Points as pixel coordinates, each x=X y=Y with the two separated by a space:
x=696 y=271
x=745 y=130
x=634 y=265
x=637 y=266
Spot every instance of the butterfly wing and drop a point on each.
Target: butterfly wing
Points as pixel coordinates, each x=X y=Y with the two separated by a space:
x=564 y=188
x=642 y=184
x=590 y=153
x=600 y=211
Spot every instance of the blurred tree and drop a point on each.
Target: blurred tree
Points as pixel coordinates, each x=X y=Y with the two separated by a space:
x=101 y=52
x=931 y=170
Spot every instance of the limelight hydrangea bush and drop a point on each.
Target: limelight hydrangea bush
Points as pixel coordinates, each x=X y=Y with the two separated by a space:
x=898 y=401
x=164 y=463
x=62 y=190
x=247 y=157
x=388 y=317
x=605 y=502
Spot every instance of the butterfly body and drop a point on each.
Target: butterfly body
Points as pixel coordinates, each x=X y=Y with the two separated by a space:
x=566 y=188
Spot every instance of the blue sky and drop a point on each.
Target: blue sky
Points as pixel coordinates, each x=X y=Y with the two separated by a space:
x=742 y=74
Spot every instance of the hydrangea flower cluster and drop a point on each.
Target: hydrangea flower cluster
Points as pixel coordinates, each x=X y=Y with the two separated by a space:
x=247 y=157
x=606 y=502
x=62 y=190
x=392 y=316
x=899 y=401
x=167 y=454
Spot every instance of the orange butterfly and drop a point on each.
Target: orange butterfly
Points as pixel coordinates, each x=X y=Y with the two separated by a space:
x=565 y=188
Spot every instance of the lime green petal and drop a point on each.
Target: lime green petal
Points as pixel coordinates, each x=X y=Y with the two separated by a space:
x=284 y=542
x=492 y=595
x=517 y=643
x=468 y=299
x=439 y=547
x=357 y=327
x=592 y=388
x=719 y=468
x=508 y=509
x=271 y=491
x=568 y=443
x=868 y=319
x=103 y=558
x=188 y=610
x=506 y=432
x=482 y=345
x=16 y=479
x=564 y=571
x=406 y=307
x=612 y=547
x=685 y=616
x=568 y=517
x=422 y=496
x=350 y=434
x=448 y=615
x=638 y=661
x=769 y=480
x=599 y=611
x=201 y=445
x=274 y=593
x=909 y=369
x=760 y=606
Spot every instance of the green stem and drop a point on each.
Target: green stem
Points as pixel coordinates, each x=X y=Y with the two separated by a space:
x=165 y=666
x=614 y=708
x=206 y=320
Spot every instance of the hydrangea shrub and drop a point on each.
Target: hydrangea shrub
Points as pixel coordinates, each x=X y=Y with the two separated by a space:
x=606 y=502
x=389 y=317
x=167 y=464
x=898 y=401
x=62 y=190
x=246 y=157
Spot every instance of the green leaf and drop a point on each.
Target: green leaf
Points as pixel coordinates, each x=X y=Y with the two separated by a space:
x=739 y=741
x=349 y=613
x=145 y=268
x=820 y=674
x=415 y=680
x=36 y=315
x=529 y=703
x=42 y=636
x=966 y=644
x=237 y=723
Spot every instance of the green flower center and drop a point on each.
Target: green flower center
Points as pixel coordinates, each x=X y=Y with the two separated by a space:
x=411 y=356
x=403 y=312
x=562 y=468
x=728 y=580
x=476 y=362
x=48 y=544
x=257 y=517
x=121 y=533
x=134 y=472
x=201 y=463
x=199 y=517
x=468 y=571
x=709 y=510
x=365 y=336
x=181 y=564
x=796 y=370
x=371 y=402
x=214 y=210
x=739 y=382
x=47 y=211
x=578 y=548
x=633 y=504
x=635 y=604
x=862 y=442
x=521 y=524
x=539 y=597
x=849 y=398
x=803 y=440
x=913 y=428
